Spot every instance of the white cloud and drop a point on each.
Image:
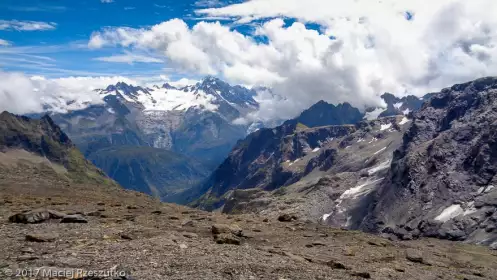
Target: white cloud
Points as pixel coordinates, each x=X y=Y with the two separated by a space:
x=107 y=1
x=17 y=95
x=129 y=58
x=365 y=48
x=22 y=94
x=18 y=25
x=4 y=43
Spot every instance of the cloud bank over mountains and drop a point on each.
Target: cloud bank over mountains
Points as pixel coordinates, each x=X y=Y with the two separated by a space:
x=335 y=50
x=362 y=49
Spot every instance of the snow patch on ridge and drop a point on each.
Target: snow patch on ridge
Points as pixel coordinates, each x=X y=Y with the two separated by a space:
x=385 y=126
x=449 y=213
x=404 y=121
x=374 y=114
x=381 y=166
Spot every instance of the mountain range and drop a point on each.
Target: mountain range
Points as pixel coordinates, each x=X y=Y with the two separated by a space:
x=192 y=126
x=63 y=218
x=428 y=173
x=135 y=132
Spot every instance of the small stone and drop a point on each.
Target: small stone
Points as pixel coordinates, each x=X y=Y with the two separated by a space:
x=308 y=235
x=130 y=218
x=78 y=219
x=94 y=214
x=294 y=257
x=286 y=218
x=227 y=238
x=336 y=265
x=265 y=220
x=318 y=243
x=27 y=250
x=415 y=256
x=157 y=212
x=174 y=218
x=365 y=275
x=40 y=237
x=377 y=243
x=190 y=235
x=132 y=207
x=27 y=258
x=126 y=236
x=183 y=246
x=187 y=223
x=290 y=228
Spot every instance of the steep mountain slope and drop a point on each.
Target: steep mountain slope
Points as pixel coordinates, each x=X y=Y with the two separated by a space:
x=442 y=178
x=429 y=174
x=42 y=142
x=154 y=171
x=272 y=158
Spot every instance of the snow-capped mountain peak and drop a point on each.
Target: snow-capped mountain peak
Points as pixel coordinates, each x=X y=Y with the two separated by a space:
x=211 y=94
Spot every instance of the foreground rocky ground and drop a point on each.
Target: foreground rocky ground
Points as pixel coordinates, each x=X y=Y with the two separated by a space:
x=136 y=235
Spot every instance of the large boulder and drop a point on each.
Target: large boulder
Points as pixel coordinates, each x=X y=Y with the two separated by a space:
x=227 y=234
x=230 y=229
x=36 y=216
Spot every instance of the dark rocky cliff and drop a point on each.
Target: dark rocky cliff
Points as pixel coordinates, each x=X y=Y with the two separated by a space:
x=442 y=178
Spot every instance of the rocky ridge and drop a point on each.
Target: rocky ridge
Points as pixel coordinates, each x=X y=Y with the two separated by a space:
x=442 y=178
x=430 y=173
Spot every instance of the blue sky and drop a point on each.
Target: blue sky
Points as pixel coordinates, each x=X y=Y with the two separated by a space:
x=61 y=50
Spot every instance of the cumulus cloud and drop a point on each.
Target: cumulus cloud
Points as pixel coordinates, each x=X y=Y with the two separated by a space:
x=363 y=47
x=17 y=95
x=18 y=25
x=22 y=94
x=129 y=58
x=4 y=43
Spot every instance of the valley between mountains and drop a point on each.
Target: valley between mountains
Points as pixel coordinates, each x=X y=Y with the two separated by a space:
x=405 y=191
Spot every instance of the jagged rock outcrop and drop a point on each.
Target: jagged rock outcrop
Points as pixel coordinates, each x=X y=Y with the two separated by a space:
x=323 y=113
x=442 y=179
